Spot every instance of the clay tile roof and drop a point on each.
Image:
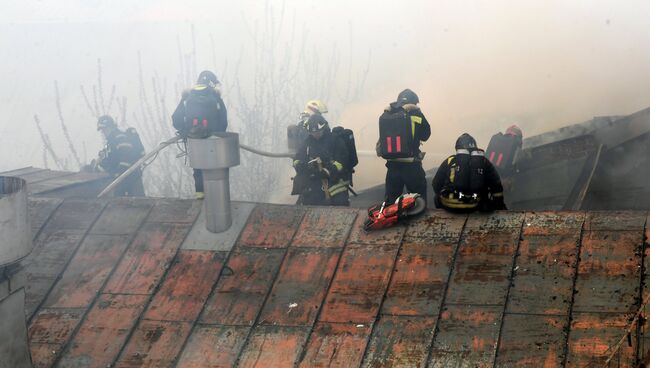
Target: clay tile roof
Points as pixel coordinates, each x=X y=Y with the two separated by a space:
x=140 y=283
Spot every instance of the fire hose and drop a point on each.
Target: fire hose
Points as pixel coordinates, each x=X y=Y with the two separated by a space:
x=166 y=144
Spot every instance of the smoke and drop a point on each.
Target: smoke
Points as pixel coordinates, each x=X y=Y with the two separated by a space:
x=477 y=66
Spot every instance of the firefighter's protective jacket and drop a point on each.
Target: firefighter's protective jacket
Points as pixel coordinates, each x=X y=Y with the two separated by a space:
x=333 y=155
x=122 y=150
x=467 y=180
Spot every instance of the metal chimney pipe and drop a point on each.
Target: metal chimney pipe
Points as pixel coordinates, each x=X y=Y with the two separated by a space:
x=15 y=232
x=15 y=244
x=215 y=156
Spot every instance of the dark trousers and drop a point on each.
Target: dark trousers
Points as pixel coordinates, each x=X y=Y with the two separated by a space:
x=131 y=186
x=313 y=195
x=198 y=180
x=405 y=174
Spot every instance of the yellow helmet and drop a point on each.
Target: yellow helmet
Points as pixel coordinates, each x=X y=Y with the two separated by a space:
x=315 y=106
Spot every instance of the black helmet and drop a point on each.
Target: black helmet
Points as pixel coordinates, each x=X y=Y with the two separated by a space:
x=208 y=78
x=105 y=121
x=316 y=123
x=407 y=97
x=466 y=141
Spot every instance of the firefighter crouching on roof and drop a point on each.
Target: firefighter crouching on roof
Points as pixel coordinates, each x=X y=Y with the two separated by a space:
x=503 y=149
x=321 y=167
x=467 y=181
x=122 y=150
x=402 y=129
x=200 y=113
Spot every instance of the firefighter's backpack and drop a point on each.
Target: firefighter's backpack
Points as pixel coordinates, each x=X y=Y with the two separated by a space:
x=201 y=112
x=347 y=136
x=395 y=135
x=501 y=150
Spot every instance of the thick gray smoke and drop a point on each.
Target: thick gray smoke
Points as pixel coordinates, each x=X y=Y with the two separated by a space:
x=478 y=66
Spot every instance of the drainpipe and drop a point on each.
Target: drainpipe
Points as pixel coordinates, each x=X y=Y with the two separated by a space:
x=215 y=156
x=15 y=244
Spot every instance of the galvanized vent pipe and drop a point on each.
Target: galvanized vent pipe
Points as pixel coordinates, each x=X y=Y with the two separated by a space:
x=15 y=232
x=215 y=155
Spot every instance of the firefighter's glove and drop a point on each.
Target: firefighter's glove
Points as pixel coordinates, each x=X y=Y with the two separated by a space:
x=315 y=165
x=498 y=203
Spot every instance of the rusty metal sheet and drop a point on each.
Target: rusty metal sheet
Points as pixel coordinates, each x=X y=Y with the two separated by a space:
x=483 y=267
x=54 y=326
x=43 y=355
x=544 y=273
x=400 y=341
x=324 y=227
x=213 y=346
x=593 y=333
x=175 y=210
x=122 y=216
x=146 y=260
x=271 y=226
x=240 y=294
x=435 y=227
x=103 y=332
x=87 y=271
x=532 y=341
x=300 y=287
x=500 y=221
x=154 y=344
x=359 y=285
x=609 y=271
x=52 y=251
x=38 y=176
x=419 y=280
x=75 y=214
x=21 y=171
x=466 y=336
x=390 y=236
x=73 y=181
x=553 y=223
x=49 y=331
x=336 y=345
x=40 y=210
x=186 y=286
x=201 y=239
x=615 y=220
x=273 y=346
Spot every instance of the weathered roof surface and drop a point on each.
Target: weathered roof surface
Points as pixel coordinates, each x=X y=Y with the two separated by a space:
x=137 y=283
x=59 y=184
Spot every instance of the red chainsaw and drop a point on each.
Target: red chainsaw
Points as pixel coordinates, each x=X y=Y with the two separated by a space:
x=382 y=215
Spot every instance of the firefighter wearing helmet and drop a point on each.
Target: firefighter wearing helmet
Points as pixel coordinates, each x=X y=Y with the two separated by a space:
x=123 y=149
x=322 y=166
x=402 y=129
x=467 y=181
x=200 y=113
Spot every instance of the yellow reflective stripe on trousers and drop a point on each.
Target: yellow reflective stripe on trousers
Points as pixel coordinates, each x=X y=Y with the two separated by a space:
x=454 y=203
x=340 y=187
x=496 y=195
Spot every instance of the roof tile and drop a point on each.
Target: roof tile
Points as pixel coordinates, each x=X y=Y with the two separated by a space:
x=243 y=287
x=300 y=287
x=186 y=286
x=146 y=260
x=271 y=226
x=359 y=285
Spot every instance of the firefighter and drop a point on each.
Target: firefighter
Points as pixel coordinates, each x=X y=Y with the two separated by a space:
x=467 y=181
x=297 y=134
x=200 y=113
x=123 y=149
x=322 y=167
x=503 y=148
x=402 y=129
